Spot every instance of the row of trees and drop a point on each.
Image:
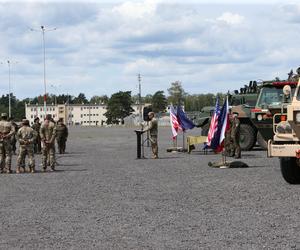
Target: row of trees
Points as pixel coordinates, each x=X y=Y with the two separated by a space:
x=119 y=104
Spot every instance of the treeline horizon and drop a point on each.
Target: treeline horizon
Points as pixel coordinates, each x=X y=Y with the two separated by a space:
x=159 y=101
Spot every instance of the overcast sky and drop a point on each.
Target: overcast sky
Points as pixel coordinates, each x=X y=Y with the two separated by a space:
x=99 y=47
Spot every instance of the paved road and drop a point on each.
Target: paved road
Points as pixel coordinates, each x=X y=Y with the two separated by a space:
x=102 y=198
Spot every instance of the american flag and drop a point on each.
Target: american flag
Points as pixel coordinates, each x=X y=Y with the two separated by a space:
x=175 y=126
x=213 y=124
x=217 y=142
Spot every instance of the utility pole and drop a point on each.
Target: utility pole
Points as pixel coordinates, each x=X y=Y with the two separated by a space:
x=140 y=97
x=9 y=91
x=9 y=85
x=43 y=30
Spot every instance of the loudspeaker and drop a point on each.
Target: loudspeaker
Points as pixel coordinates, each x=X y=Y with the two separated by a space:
x=146 y=110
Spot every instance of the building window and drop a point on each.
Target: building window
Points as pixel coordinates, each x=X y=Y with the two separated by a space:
x=31 y=116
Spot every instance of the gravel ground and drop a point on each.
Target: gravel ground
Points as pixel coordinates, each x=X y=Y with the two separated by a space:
x=101 y=197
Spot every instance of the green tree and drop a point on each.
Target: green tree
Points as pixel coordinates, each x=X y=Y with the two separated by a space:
x=99 y=99
x=176 y=93
x=159 y=102
x=80 y=99
x=147 y=98
x=118 y=107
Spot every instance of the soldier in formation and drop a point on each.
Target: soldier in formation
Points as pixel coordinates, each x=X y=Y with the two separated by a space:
x=37 y=144
x=232 y=137
x=153 y=129
x=26 y=137
x=30 y=140
x=7 y=130
x=48 y=134
x=61 y=136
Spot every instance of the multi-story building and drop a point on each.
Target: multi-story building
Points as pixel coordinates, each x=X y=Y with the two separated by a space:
x=73 y=114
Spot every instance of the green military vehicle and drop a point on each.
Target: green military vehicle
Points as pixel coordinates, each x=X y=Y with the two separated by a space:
x=270 y=101
x=241 y=102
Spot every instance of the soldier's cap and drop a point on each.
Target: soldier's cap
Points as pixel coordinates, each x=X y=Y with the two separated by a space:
x=60 y=120
x=48 y=117
x=3 y=114
x=235 y=113
x=35 y=119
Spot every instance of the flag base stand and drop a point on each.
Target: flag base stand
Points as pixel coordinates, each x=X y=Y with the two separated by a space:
x=228 y=164
x=176 y=149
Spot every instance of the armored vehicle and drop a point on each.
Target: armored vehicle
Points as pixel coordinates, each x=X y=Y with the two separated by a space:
x=270 y=101
x=241 y=102
x=286 y=141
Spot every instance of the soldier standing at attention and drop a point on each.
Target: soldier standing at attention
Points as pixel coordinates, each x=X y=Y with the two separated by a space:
x=37 y=144
x=26 y=137
x=7 y=130
x=61 y=136
x=153 y=129
x=235 y=135
x=48 y=134
x=13 y=137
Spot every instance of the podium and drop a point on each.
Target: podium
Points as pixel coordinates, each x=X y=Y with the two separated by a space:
x=139 y=143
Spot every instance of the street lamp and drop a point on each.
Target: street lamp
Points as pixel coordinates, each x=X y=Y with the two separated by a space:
x=9 y=85
x=43 y=30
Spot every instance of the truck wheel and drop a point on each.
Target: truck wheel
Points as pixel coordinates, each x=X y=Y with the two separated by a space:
x=290 y=170
x=261 y=141
x=205 y=129
x=247 y=137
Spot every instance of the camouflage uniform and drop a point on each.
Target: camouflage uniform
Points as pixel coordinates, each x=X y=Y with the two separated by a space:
x=37 y=144
x=26 y=137
x=61 y=137
x=235 y=136
x=7 y=130
x=13 y=137
x=153 y=129
x=229 y=150
x=48 y=134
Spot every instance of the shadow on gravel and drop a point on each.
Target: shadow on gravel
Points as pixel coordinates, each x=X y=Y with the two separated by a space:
x=252 y=156
x=257 y=149
x=161 y=158
x=259 y=166
x=67 y=165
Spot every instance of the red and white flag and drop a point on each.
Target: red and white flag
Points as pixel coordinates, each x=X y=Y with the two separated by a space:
x=175 y=126
x=213 y=124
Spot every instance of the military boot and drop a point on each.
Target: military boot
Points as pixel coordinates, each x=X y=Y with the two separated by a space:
x=18 y=170
x=32 y=170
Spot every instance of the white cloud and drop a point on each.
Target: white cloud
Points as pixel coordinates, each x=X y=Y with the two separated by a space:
x=135 y=10
x=230 y=18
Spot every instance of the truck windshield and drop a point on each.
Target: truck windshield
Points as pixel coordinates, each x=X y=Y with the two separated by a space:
x=271 y=96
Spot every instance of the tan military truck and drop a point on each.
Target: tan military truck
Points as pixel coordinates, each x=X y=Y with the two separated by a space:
x=286 y=140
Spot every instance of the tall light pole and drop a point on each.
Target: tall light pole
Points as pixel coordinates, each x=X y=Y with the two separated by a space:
x=43 y=30
x=9 y=85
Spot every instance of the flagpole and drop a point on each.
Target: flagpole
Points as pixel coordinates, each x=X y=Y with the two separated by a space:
x=183 y=138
